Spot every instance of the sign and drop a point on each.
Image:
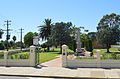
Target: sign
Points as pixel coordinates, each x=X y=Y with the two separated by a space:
x=35 y=40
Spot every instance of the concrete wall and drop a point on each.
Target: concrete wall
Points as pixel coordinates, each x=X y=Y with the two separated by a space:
x=94 y=63
x=19 y=62
x=106 y=63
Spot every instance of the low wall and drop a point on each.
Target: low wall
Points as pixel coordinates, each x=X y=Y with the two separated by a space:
x=2 y=62
x=93 y=63
x=19 y=62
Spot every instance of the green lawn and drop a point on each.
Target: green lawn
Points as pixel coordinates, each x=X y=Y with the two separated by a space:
x=103 y=51
x=44 y=56
x=115 y=53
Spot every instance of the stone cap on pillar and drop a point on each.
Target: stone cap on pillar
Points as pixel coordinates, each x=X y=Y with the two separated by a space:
x=65 y=46
x=32 y=47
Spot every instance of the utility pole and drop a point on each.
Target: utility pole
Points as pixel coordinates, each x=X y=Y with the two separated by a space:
x=7 y=36
x=21 y=37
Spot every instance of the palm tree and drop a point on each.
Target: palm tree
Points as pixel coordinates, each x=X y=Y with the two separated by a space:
x=45 y=31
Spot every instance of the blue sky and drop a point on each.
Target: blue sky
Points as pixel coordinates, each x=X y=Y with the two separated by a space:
x=29 y=14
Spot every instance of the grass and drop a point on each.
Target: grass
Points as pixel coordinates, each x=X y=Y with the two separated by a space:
x=104 y=51
x=114 y=53
x=46 y=56
x=43 y=56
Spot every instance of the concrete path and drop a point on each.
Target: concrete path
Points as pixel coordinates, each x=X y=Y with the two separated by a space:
x=53 y=63
x=59 y=72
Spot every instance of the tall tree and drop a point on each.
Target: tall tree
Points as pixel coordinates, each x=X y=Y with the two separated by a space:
x=60 y=34
x=28 y=39
x=45 y=30
x=108 y=30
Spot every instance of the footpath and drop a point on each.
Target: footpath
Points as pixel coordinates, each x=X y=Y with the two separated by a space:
x=53 y=63
x=59 y=72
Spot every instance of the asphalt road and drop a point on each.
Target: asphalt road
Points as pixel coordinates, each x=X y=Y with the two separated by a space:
x=15 y=50
x=14 y=77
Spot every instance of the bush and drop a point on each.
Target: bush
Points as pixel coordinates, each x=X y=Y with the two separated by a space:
x=118 y=49
x=73 y=46
x=89 y=45
x=110 y=56
x=1 y=46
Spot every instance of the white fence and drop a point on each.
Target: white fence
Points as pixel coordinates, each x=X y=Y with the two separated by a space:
x=93 y=63
x=19 y=62
x=74 y=63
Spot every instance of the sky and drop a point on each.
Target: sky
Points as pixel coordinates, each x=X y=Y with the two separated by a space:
x=28 y=14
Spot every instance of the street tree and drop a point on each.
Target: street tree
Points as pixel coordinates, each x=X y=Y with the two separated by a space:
x=108 y=30
x=60 y=34
x=28 y=39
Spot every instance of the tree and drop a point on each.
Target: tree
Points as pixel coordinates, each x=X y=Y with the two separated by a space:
x=60 y=34
x=12 y=43
x=45 y=30
x=2 y=46
x=44 y=46
x=36 y=34
x=92 y=35
x=108 y=30
x=18 y=44
x=5 y=43
x=14 y=38
x=28 y=39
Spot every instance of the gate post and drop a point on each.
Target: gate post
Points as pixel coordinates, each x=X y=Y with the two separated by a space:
x=98 y=59
x=64 y=55
x=32 y=55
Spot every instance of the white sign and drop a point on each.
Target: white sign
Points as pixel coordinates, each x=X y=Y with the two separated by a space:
x=35 y=40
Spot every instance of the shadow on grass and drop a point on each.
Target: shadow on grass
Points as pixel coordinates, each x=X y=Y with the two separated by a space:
x=112 y=52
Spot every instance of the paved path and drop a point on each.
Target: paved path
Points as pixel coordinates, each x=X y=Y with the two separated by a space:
x=91 y=73
x=53 y=63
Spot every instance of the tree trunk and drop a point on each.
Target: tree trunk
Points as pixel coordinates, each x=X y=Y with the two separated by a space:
x=60 y=48
x=48 y=48
x=108 y=50
x=108 y=47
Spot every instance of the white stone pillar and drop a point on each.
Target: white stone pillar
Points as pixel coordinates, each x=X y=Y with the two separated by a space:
x=32 y=55
x=64 y=55
x=5 y=58
x=78 y=42
x=98 y=58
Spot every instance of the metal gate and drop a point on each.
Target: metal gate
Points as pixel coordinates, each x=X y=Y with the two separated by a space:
x=37 y=56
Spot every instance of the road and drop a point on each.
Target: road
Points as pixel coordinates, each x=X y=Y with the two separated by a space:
x=14 y=77
x=15 y=50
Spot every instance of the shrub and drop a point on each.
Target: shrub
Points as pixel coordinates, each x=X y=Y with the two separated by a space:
x=89 y=45
x=1 y=46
